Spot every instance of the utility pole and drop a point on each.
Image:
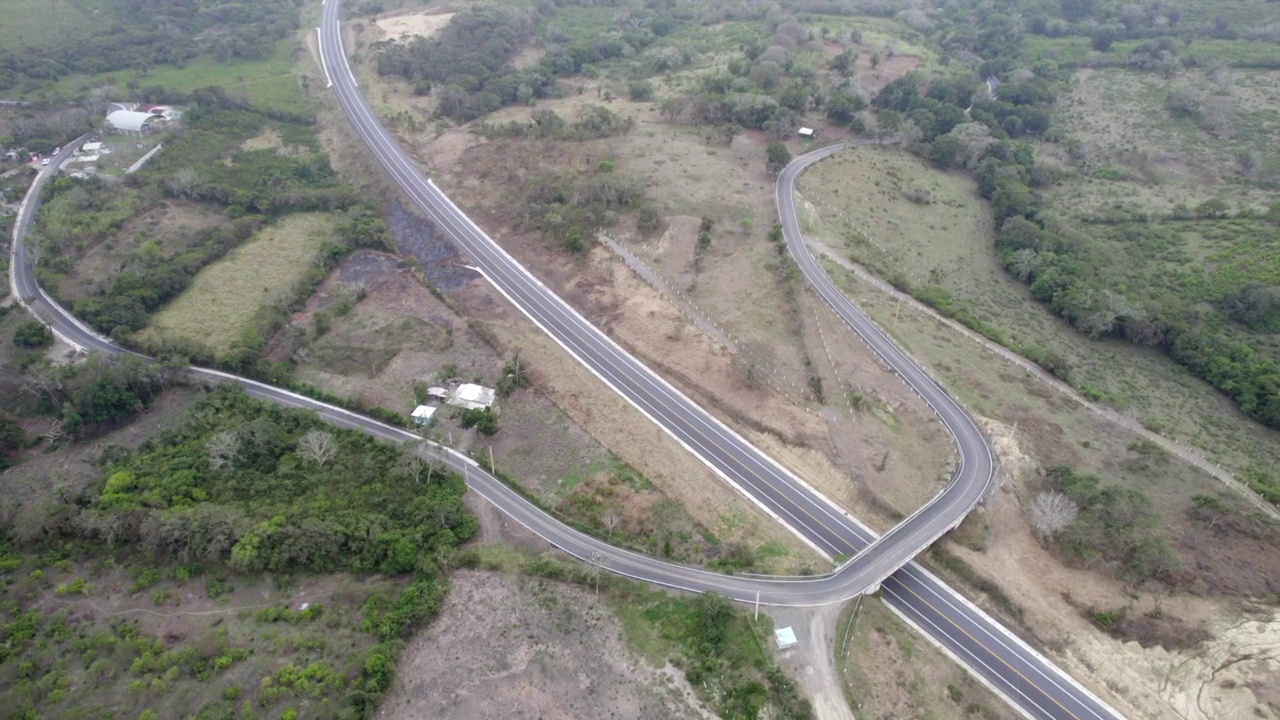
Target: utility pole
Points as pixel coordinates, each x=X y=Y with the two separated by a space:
x=492 y=468
x=757 y=605
x=848 y=629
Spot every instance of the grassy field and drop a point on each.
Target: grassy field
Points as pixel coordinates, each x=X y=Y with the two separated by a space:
x=1117 y=126
x=890 y=671
x=220 y=306
x=39 y=22
x=947 y=244
x=269 y=83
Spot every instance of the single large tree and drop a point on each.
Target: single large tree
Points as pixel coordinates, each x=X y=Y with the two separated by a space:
x=1052 y=512
x=318 y=447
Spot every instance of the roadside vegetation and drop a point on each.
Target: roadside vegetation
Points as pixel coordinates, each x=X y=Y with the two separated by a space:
x=236 y=494
x=721 y=649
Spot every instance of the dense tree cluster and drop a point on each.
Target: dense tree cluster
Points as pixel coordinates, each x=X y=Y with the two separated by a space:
x=144 y=34
x=88 y=397
x=268 y=504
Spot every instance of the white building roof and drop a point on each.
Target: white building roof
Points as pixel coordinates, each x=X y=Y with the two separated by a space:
x=424 y=412
x=785 y=637
x=472 y=397
x=805 y=131
x=439 y=392
x=128 y=120
x=91 y=147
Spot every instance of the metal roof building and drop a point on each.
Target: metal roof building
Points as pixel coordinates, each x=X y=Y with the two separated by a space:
x=472 y=397
x=129 y=121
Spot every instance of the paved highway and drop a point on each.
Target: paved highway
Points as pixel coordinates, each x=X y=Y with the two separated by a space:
x=999 y=659
x=1027 y=680
x=782 y=494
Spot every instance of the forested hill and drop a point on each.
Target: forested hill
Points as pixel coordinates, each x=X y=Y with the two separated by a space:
x=141 y=34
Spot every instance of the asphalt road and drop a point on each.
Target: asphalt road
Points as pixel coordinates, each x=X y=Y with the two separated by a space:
x=974 y=477
x=1025 y=679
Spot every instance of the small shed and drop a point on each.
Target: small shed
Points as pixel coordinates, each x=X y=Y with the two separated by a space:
x=91 y=147
x=472 y=397
x=422 y=414
x=805 y=132
x=437 y=392
x=784 y=637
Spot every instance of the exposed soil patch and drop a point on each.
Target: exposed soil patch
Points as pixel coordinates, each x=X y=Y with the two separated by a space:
x=873 y=79
x=507 y=647
x=406 y=27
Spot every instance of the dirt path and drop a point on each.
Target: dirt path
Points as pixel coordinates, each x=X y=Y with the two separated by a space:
x=811 y=660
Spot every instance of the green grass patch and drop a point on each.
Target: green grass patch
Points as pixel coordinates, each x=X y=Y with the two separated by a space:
x=224 y=298
x=42 y=22
x=270 y=83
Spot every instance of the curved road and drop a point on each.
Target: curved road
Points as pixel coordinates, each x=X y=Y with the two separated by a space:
x=974 y=478
x=782 y=494
x=1024 y=678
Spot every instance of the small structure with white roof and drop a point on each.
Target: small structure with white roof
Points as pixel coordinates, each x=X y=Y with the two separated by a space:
x=805 y=132
x=437 y=392
x=422 y=414
x=91 y=147
x=472 y=397
x=785 y=637
x=131 y=122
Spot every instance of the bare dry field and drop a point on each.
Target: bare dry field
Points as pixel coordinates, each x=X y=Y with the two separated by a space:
x=518 y=647
x=1119 y=121
x=407 y=27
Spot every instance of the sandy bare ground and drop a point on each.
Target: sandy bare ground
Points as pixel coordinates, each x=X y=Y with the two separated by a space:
x=406 y=27
x=507 y=647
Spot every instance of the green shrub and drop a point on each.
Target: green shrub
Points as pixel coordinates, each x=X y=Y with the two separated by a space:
x=32 y=334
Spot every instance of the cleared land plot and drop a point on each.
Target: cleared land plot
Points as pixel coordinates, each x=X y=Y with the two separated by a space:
x=170 y=227
x=518 y=647
x=1154 y=142
x=224 y=298
x=861 y=208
